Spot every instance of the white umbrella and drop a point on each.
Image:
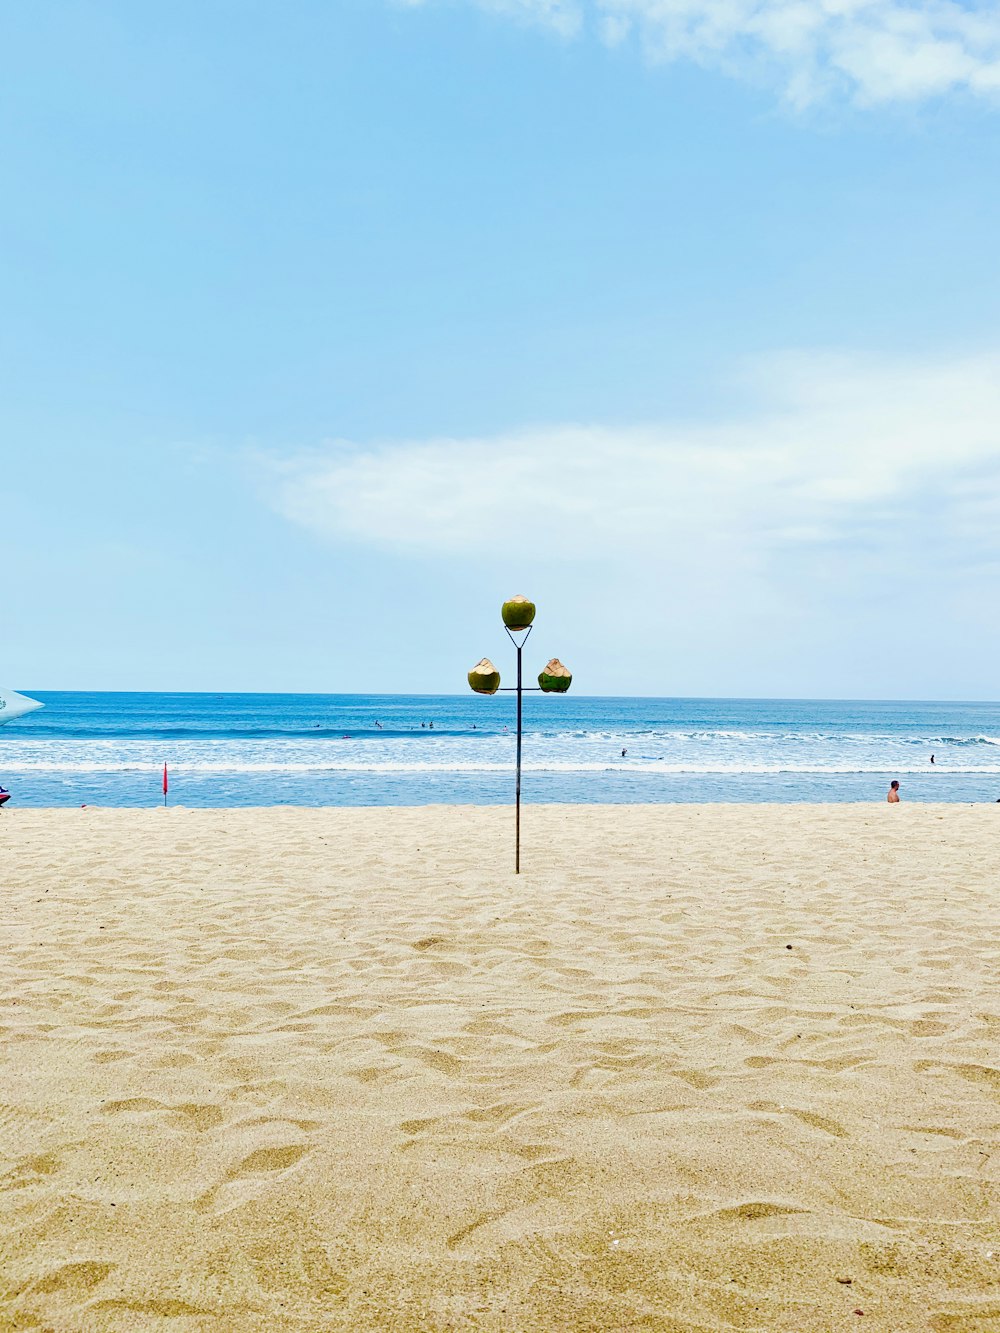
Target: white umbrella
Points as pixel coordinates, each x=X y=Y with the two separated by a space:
x=15 y=705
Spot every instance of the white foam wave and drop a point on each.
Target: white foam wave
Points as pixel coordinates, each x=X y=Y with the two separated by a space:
x=733 y=768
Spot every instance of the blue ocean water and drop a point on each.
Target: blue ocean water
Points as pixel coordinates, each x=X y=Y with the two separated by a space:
x=298 y=749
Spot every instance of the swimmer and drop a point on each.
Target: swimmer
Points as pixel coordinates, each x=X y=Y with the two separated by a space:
x=893 y=796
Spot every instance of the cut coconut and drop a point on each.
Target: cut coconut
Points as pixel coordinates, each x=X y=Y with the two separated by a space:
x=484 y=678
x=556 y=678
x=518 y=613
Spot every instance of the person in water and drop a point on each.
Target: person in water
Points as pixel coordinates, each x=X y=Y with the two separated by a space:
x=893 y=796
x=932 y=759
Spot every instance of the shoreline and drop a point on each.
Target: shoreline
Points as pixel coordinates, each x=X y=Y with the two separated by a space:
x=500 y=805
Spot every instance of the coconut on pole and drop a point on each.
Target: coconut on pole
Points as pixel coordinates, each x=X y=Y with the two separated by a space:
x=518 y=615
x=484 y=678
x=556 y=678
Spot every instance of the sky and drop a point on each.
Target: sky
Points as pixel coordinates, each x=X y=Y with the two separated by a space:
x=326 y=326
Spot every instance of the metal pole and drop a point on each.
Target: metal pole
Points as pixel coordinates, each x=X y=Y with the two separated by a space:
x=517 y=792
x=518 y=644
x=509 y=689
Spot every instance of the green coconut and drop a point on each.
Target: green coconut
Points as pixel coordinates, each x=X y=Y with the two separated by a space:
x=556 y=678
x=518 y=613
x=484 y=678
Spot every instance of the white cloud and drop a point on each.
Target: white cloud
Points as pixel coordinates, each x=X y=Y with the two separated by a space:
x=874 y=50
x=836 y=459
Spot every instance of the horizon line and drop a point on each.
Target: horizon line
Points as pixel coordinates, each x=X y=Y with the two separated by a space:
x=420 y=694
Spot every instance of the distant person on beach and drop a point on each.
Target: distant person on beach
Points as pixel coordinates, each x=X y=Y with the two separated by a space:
x=893 y=797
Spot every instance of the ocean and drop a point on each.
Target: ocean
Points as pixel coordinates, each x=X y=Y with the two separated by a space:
x=329 y=749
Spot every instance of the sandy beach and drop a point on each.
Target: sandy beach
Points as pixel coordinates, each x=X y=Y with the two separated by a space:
x=697 y=1068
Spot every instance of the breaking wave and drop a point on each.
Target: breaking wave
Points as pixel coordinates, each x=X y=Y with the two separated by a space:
x=734 y=767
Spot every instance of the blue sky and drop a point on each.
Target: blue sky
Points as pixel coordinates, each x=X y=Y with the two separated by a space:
x=326 y=326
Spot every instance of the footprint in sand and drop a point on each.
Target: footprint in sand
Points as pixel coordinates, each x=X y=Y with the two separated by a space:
x=934 y=1129
x=754 y=1210
x=267 y=1159
x=440 y=1061
x=201 y=1116
x=161 y=1308
x=822 y=1122
x=928 y=1027
x=412 y=1127
x=132 y=1104
x=696 y=1078
x=75 y=1277
x=985 y=1075
x=30 y=1170
x=500 y=1114
x=250 y=1175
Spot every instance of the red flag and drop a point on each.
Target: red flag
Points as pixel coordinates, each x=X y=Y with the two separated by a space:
x=164 y=784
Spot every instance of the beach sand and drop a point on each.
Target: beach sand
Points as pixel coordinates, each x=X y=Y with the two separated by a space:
x=698 y=1068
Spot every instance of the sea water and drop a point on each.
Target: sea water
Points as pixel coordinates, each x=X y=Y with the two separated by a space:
x=302 y=749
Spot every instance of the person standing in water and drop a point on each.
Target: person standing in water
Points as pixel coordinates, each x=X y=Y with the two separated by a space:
x=893 y=796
